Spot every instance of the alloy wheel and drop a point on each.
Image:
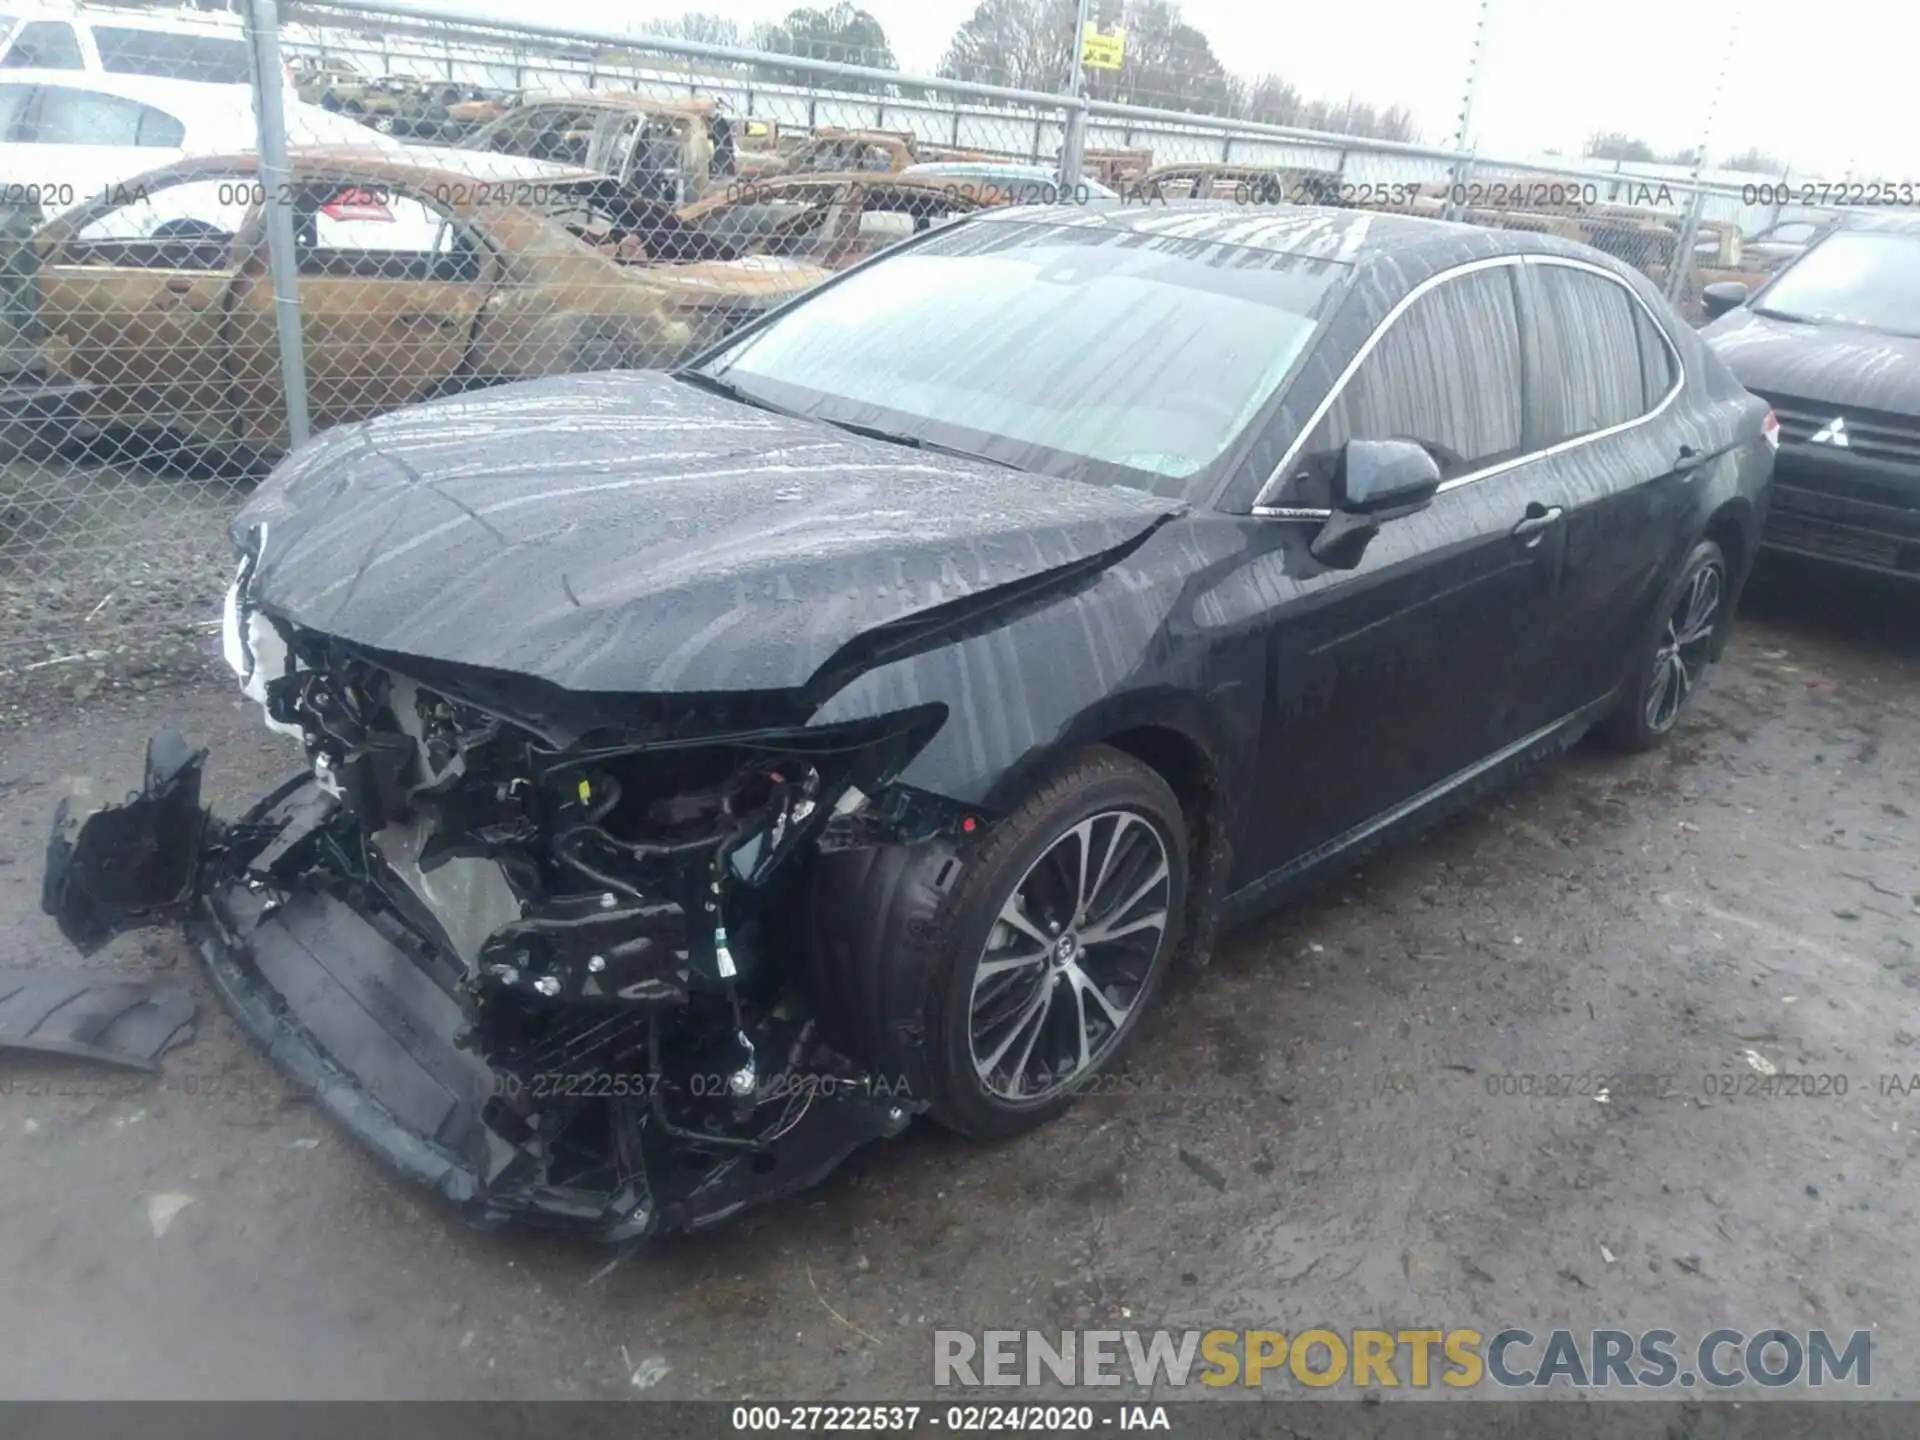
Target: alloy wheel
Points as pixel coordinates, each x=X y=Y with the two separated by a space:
x=1069 y=956
x=1682 y=654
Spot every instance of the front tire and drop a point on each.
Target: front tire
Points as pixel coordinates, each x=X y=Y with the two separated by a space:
x=1052 y=945
x=1674 y=662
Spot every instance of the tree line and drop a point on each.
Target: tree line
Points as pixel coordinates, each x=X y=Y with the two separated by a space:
x=1025 y=44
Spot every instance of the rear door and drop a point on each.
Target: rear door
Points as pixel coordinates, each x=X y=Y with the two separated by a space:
x=134 y=300
x=390 y=288
x=1615 y=467
x=1393 y=678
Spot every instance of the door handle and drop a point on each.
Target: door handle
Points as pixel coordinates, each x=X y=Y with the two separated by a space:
x=1534 y=526
x=419 y=318
x=179 y=285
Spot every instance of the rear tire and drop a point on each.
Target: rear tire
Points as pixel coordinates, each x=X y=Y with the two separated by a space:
x=1675 y=659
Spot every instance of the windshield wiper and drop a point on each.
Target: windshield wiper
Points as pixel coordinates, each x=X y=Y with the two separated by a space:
x=733 y=391
x=1785 y=315
x=874 y=432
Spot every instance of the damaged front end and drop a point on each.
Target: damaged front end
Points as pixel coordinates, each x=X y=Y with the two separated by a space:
x=554 y=970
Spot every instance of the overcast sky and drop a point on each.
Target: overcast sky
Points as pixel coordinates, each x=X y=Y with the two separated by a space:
x=1825 y=85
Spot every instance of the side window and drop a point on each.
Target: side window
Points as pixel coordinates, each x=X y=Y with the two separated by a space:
x=188 y=226
x=1656 y=359
x=1588 y=333
x=86 y=117
x=1446 y=373
x=214 y=59
x=888 y=216
x=526 y=132
x=44 y=45
x=13 y=105
x=345 y=230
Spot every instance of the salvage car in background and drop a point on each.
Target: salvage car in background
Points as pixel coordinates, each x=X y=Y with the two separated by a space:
x=663 y=152
x=1005 y=181
x=830 y=220
x=69 y=139
x=201 y=48
x=1245 y=184
x=414 y=280
x=833 y=150
x=705 y=773
x=400 y=104
x=1832 y=341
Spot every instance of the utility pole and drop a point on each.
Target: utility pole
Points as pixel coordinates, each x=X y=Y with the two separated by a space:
x=1682 y=267
x=1076 y=141
x=1463 y=125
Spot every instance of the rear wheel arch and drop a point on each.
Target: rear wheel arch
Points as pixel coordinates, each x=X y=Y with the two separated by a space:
x=1730 y=527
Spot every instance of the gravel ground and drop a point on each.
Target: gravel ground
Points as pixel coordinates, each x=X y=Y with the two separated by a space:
x=1317 y=1135
x=110 y=579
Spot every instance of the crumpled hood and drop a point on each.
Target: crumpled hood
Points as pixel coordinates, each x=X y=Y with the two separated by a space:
x=626 y=532
x=1842 y=365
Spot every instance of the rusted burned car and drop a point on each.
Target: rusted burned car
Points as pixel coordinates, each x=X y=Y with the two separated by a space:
x=662 y=152
x=404 y=105
x=1245 y=184
x=830 y=220
x=832 y=150
x=416 y=279
x=1115 y=168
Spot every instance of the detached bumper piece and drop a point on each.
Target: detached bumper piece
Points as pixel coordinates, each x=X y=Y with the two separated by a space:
x=560 y=1059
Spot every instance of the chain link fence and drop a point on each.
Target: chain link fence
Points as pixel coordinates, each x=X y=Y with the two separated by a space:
x=197 y=269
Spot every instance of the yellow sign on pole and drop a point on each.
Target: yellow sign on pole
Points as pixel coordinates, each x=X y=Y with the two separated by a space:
x=1102 y=52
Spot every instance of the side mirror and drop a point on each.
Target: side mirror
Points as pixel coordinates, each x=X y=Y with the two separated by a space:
x=1376 y=476
x=1720 y=297
x=1378 y=480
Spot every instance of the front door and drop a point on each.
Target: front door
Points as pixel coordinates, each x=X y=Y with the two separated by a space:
x=1392 y=678
x=390 y=288
x=135 y=298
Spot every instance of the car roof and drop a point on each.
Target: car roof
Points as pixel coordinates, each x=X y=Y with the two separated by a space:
x=1410 y=246
x=415 y=166
x=695 y=107
x=773 y=187
x=173 y=23
x=978 y=167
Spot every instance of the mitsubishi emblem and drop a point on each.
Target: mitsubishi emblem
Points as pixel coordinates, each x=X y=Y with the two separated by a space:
x=1834 y=432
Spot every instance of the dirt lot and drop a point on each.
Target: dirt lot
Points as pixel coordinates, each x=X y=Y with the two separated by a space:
x=1321 y=1134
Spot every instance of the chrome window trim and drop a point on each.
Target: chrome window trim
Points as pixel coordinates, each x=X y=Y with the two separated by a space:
x=1401 y=306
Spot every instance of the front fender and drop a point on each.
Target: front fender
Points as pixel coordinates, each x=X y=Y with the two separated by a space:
x=1125 y=652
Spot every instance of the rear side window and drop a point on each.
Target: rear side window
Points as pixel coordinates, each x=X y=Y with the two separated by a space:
x=85 y=117
x=1446 y=373
x=13 y=101
x=45 y=45
x=214 y=59
x=1589 y=330
x=1656 y=359
x=347 y=231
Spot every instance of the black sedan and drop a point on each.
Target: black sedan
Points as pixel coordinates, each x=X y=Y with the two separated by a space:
x=706 y=773
x=1833 y=342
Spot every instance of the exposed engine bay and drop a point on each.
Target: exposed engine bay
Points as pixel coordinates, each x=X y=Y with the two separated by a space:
x=561 y=976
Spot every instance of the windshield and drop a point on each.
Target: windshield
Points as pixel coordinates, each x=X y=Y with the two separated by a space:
x=1856 y=278
x=1111 y=355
